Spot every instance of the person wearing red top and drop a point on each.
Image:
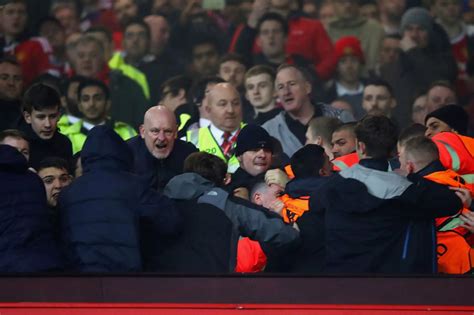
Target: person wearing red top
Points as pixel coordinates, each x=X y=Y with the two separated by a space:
x=306 y=37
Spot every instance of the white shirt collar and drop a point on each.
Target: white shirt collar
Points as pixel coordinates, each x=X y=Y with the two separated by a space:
x=89 y=126
x=204 y=122
x=72 y=119
x=343 y=91
x=217 y=133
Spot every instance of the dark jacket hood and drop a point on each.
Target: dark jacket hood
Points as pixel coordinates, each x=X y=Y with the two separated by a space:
x=104 y=149
x=11 y=160
x=187 y=186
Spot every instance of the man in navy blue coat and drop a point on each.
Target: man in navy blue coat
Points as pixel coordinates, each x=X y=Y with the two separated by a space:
x=108 y=214
x=26 y=235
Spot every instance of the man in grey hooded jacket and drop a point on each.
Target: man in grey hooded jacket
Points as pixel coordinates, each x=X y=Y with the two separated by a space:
x=214 y=221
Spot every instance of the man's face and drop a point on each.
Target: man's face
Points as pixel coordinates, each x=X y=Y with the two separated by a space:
x=326 y=170
x=54 y=34
x=377 y=100
x=11 y=81
x=43 y=122
x=159 y=133
x=393 y=8
x=435 y=126
x=125 y=10
x=272 y=39
x=89 y=59
x=256 y=162
x=135 y=41
x=106 y=43
x=68 y=19
x=172 y=101
x=326 y=13
x=448 y=11
x=280 y=4
x=233 y=72
x=438 y=97
x=418 y=35
x=54 y=179
x=348 y=69
x=268 y=196
x=260 y=90
x=93 y=104
x=205 y=59
x=13 y=18
x=225 y=109
x=292 y=89
x=160 y=33
x=419 y=110
x=390 y=50
x=369 y=11
x=346 y=9
x=343 y=142
x=20 y=144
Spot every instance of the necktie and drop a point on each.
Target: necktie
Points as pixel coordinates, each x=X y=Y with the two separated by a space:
x=226 y=144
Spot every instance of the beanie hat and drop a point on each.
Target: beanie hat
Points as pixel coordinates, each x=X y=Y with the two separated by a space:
x=253 y=137
x=453 y=115
x=348 y=46
x=417 y=16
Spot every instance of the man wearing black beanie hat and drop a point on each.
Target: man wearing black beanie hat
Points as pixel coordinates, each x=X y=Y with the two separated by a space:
x=254 y=151
x=452 y=118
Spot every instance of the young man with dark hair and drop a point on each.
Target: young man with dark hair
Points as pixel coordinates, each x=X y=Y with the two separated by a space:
x=232 y=69
x=55 y=175
x=378 y=98
x=175 y=96
x=382 y=220
x=259 y=85
x=213 y=216
x=94 y=104
x=205 y=52
x=41 y=104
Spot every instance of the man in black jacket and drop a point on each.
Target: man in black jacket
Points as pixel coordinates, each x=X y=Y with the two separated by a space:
x=41 y=105
x=26 y=235
x=158 y=154
x=110 y=218
x=11 y=85
x=377 y=221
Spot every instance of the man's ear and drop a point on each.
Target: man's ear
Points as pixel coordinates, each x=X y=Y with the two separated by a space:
x=27 y=117
x=308 y=87
x=256 y=198
x=319 y=140
x=393 y=103
x=361 y=148
x=227 y=179
x=182 y=95
x=141 y=128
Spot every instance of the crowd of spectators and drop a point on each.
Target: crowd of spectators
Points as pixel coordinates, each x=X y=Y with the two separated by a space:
x=199 y=136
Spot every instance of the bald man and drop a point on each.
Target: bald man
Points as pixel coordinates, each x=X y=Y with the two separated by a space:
x=158 y=154
x=224 y=108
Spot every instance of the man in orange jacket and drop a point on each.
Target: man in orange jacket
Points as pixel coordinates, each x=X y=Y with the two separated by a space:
x=455 y=255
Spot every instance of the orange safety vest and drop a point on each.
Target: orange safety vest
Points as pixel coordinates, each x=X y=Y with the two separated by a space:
x=456 y=152
x=289 y=171
x=455 y=255
x=294 y=207
x=345 y=161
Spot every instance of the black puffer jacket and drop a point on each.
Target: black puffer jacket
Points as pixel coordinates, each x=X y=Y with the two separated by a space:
x=26 y=236
x=108 y=212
